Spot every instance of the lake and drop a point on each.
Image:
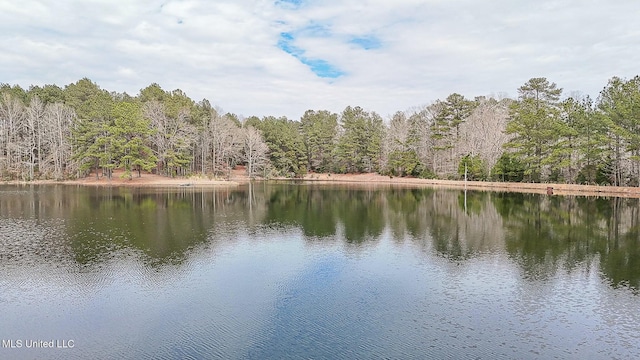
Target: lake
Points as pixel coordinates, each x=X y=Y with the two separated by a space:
x=316 y=272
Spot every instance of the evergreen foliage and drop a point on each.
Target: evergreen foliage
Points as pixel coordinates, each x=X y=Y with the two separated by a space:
x=130 y=133
x=474 y=168
x=319 y=132
x=509 y=168
x=286 y=146
x=535 y=124
x=359 y=149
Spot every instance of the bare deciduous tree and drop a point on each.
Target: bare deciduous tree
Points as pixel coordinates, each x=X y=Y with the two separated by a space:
x=255 y=150
x=56 y=135
x=11 y=121
x=173 y=139
x=33 y=136
x=483 y=132
x=421 y=121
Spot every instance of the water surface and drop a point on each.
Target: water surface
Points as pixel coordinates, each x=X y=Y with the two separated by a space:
x=298 y=271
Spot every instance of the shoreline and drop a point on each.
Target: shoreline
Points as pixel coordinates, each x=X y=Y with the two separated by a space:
x=536 y=188
x=146 y=180
x=238 y=178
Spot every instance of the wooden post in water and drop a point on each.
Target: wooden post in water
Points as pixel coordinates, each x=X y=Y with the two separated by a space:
x=465 y=187
x=465 y=176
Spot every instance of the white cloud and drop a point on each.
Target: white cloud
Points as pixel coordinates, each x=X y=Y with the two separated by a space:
x=227 y=51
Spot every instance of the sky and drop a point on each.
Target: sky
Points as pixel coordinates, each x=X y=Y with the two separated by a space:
x=283 y=57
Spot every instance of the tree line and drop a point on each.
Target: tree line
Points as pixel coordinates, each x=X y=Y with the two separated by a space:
x=51 y=132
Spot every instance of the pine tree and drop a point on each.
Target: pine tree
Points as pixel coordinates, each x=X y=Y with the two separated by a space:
x=92 y=145
x=286 y=146
x=454 y=111
x=359 y=149
x=130 y=134
x=534 y=122
x=619 y=102
x=319 y=131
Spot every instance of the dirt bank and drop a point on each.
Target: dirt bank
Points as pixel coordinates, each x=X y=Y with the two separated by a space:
x=238 y=177
x=146 y=180
x=556 y=189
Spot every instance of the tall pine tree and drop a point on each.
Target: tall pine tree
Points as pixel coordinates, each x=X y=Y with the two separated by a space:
x=534 y=121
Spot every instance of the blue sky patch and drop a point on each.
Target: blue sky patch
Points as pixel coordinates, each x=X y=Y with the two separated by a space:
x=316 y=30
x=286 y=44
x=321 y=68
x=366 y=42
x=289 y=3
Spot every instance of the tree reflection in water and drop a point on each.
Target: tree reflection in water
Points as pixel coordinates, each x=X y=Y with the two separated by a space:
x=540 y=233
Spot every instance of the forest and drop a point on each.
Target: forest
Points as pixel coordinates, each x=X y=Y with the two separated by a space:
x=52 y=132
